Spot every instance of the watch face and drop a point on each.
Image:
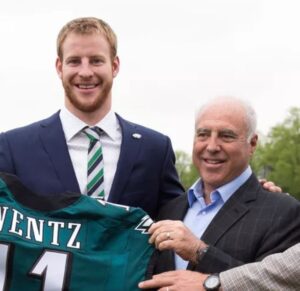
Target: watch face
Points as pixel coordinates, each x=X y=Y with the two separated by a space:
x=212 y=282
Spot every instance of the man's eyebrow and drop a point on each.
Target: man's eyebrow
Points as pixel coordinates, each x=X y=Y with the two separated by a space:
x=227 y=131
x=203 y=129
x=72 y=57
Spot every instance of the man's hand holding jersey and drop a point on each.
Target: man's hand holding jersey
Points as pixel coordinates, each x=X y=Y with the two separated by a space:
x=174 y=235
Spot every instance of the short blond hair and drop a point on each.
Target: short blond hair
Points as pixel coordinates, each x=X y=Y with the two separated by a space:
x=87 y=26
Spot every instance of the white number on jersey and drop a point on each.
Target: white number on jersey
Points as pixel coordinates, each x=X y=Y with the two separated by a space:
x=50 y=268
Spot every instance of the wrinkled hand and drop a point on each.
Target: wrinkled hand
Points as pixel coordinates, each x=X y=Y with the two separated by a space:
x=174 y=235
x=269 y=185
x=180 y=280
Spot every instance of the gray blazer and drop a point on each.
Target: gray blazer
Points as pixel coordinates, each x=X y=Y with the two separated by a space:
x=276 y=272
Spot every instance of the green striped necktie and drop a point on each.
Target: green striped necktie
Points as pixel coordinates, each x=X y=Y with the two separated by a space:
x=95 y=170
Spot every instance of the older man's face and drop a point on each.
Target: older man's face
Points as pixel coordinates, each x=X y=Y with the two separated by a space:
x=221 y=151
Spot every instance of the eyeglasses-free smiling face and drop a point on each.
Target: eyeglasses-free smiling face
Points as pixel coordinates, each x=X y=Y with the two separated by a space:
x=87 y=71
x=221 y=151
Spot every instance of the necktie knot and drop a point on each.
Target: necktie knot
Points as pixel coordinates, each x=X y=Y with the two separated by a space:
x=93 y=133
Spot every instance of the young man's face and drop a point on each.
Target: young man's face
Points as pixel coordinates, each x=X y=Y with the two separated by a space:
x=87 y=71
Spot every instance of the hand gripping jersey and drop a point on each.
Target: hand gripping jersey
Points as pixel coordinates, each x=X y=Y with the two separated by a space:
x=70 y=242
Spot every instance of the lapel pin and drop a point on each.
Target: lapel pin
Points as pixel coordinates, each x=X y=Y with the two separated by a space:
x=136 y=135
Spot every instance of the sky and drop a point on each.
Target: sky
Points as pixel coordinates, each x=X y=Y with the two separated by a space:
x=175 y=55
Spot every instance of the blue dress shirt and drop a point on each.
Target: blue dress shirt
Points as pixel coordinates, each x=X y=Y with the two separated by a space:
x=200 y=214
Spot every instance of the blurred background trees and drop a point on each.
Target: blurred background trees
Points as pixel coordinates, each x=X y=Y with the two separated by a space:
x=185 y=168
x=277 y=157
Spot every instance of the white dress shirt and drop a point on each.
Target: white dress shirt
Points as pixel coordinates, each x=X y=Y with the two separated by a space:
x=78 y=144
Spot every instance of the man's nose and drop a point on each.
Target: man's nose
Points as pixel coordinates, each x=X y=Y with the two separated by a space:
x=85 y=70
x=213 y=144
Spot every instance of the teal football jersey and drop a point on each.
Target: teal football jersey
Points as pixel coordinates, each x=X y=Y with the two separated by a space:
x=70 y=242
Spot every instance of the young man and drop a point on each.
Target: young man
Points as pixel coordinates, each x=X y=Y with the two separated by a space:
x=51 y=156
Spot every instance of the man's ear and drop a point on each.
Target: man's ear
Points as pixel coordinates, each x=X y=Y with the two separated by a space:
x=58 y=66
x=115 y=66
x=254 y=140
x=253 y=143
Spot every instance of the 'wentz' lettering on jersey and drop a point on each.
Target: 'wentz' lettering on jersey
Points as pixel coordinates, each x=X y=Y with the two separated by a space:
x=46 y=232
x=72 y=242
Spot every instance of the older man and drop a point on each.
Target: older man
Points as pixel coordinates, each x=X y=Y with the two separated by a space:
x=226 y=219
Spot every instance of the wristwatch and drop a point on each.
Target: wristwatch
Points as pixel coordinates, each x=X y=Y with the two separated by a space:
x=212 y=283
x=200 y=253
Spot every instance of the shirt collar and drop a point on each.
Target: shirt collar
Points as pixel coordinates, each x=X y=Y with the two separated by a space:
x=110 y=125
x=72 y=124
x=225 y=191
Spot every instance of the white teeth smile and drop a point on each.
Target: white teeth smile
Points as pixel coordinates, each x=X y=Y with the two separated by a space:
x=212 y=161
x=87 y=86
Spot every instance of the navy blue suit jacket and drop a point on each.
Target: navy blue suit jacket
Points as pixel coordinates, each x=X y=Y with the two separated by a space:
x=145 y=177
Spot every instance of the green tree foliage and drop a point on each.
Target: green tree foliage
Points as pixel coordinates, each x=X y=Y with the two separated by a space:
x=185 y=168
x=278 y=158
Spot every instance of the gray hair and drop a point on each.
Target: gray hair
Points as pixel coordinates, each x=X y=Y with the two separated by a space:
x=250 y=114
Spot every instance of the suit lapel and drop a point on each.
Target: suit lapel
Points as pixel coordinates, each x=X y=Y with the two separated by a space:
x=130 y=147
x=175 y=210
x=232 y=211
x=53 y=139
